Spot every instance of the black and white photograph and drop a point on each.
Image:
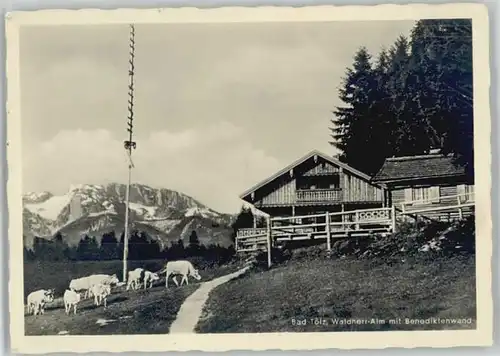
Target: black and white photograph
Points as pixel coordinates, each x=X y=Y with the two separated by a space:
x=180 y=176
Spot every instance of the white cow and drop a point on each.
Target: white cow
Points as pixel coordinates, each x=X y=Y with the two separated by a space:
x=101 y=292
x=71 y=299
x=150 y=277
x=37 y=300
x=85 y=283
x=134 y=278
x=183 y=268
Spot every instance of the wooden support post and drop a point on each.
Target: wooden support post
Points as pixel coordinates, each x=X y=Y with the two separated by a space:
x=357 y=220
x=460 y=213
x=393 y=216
x=269 y=239
x=328 y=232
x=342 y=216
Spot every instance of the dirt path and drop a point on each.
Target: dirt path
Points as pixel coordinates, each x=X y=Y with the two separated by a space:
x=191 y=309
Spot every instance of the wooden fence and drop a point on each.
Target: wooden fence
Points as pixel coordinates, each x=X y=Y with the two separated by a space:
x=354 y=223
x=459 y=205
x=327 y=226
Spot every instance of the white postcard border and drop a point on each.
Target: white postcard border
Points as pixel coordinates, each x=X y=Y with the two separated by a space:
x=482 y=336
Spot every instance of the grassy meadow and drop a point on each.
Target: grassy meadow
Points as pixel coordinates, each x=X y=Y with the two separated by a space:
x=326 y=294
x=149 y=311
x=382 y=284
x=128 y=312
x=58 y=275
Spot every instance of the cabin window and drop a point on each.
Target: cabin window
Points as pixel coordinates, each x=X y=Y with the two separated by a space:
x=422 y=195
x=335 y=182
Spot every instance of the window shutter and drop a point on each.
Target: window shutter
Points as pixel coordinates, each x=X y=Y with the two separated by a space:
x=408 y=195
x=460 y=192
x=470 y=190
x=434 y=194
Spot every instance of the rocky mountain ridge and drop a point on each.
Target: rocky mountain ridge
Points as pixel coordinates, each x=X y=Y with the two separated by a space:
x=164 y=214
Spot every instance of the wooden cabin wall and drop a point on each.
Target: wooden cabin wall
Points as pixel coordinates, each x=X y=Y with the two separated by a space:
x=284 y=193
x=321 y=168
x=447 y=196
x=355 y=189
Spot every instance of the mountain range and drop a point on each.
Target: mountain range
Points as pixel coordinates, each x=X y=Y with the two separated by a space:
x=165 y=215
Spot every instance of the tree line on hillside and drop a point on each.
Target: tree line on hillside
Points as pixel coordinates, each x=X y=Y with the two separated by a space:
x=413 y=97
x=141 y=247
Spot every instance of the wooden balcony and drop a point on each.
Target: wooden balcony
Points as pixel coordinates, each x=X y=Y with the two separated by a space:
x=319 y=195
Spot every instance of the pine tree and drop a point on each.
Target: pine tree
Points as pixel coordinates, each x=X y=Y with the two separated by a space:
x=180 y=249
x=417 y=96
x=109 y=246
x=194 y=244
x=408 y=136
x=59 y=248
x=355 y=128
x=244 y=220
x=381 y=143
x=442 y=61
x=136 y=246
x=94 y=249
x=193 y=239
x=121 y=245
x=83 y=250
x=154 y=250
x=88 y=249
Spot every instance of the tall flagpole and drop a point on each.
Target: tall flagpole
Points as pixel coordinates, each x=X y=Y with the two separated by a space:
x=129 y=144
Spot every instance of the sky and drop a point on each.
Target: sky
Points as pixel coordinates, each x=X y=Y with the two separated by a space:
x=218 y=107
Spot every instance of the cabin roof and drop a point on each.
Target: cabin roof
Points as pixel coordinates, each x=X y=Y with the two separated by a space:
x=299 y=162
x=417 y=167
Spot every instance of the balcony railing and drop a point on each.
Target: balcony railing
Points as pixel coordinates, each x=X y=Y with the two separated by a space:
x=319 y=195
x=252 y=231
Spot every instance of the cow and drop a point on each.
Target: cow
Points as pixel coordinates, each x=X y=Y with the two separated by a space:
x=100 y=292
x=183 y=268
x=37 y=300
x=71 y=299
x=150 y=277
x=134 y=278
x=85 y=283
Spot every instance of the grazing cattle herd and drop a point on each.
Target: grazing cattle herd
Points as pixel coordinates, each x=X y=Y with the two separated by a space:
x=138 y=274
x=99 y=286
